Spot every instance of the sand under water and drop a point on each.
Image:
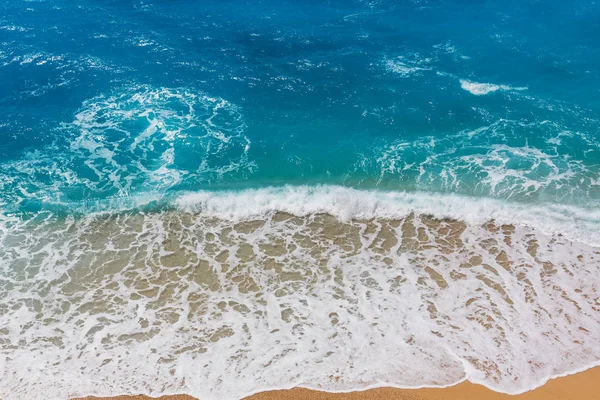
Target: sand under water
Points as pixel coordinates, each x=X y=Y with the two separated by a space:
x=192 y=302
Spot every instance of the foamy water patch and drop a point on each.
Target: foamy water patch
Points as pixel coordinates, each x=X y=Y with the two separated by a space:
x=138 y=140
x=581 y=224
x=185 y=302
x=480 y=89
x=496 y=161
x=406 y=66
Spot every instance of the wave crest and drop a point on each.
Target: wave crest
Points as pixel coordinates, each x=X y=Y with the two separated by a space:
x=579 y=224
x=480 y=89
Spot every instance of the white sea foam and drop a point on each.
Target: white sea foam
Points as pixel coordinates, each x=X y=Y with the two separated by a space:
x=407 y=66
x=479 y=89
x=14 y=28
x=227 y=297
x=139 y=139
x=495 y=161
x=580 y=224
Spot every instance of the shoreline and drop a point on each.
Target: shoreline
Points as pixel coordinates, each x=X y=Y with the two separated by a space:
x=579 y=386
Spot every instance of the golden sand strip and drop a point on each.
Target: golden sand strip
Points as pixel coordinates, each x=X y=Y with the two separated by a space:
x=582 y=386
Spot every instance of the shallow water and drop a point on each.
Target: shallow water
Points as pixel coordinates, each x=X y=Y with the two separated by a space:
x=182 y=302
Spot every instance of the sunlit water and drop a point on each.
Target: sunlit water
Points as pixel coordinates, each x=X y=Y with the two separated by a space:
x=219 y=198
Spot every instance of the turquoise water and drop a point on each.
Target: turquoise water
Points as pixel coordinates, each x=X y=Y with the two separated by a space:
x=101 y=100
x=224 y=197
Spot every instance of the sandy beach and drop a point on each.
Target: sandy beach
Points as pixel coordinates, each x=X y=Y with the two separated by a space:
x=582 y=386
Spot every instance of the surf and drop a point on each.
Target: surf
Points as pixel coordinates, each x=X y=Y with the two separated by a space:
x=233 y=293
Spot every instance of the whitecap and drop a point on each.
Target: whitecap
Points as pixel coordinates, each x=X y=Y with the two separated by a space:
x=480 y=89
x=407 y=66
x=577 y=223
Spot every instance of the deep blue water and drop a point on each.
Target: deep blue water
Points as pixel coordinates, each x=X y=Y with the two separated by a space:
x=110 y=99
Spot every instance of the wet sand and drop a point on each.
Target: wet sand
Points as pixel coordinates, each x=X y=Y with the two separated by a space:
x=582 y=386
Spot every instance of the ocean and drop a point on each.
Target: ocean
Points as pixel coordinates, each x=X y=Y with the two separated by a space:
x=223 y=197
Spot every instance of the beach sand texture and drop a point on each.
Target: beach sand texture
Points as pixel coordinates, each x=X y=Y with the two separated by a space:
x=582 y=386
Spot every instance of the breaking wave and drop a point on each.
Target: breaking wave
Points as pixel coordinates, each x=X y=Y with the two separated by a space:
x=480 y=89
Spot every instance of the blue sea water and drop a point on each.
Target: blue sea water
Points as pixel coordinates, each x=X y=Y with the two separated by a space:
x=479 y=98
x=222 y=197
